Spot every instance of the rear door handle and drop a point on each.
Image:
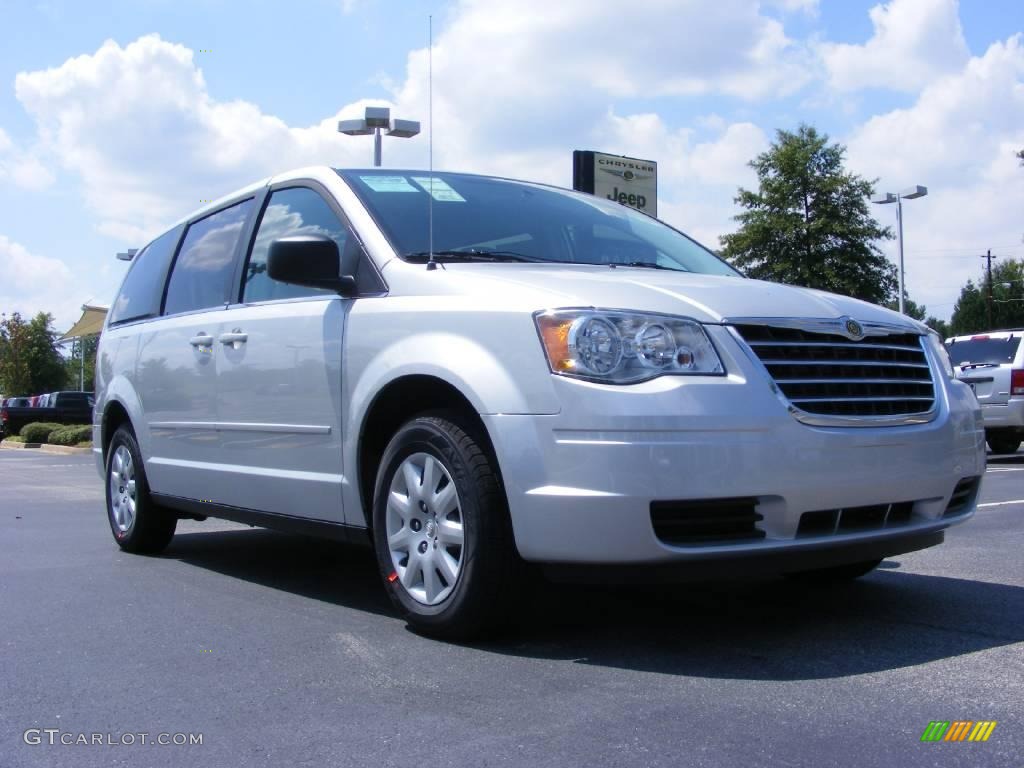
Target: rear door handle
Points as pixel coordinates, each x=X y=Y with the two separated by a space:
x=235 y=337
x=201 y=340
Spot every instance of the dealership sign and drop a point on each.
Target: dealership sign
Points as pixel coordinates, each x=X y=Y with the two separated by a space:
x=626 y=180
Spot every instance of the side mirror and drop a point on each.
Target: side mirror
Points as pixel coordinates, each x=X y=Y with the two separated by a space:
x=311 y=260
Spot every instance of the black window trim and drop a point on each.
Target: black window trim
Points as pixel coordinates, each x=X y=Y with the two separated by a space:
x=325 y=194
x=257 y=197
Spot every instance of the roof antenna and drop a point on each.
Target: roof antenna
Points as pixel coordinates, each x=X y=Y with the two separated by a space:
x=431 y=263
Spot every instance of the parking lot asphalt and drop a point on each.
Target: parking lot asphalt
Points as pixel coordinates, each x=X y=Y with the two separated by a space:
x=283 y=651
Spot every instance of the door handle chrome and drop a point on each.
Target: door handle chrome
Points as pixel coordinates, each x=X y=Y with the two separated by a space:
x=235 y=337
x=201 y=340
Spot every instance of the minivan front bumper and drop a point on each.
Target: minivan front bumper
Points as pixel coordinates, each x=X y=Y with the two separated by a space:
x=581 y=483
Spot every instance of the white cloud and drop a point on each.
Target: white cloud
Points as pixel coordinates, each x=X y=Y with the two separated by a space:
x=148 y=142
x=139 y=127
x=809 y=7
x=958 y=139
x=914 y=42
x=33 y=283
x=22 y=168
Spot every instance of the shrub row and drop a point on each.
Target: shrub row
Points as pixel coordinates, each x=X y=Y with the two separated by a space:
x=56 y=434
x=72 y=435
x=38 y=431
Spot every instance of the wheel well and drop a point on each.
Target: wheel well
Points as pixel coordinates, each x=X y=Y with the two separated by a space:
x=113 y=418
x=399 y=401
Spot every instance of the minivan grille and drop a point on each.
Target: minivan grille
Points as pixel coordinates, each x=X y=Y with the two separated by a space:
x=831 y=375
x=706 y=521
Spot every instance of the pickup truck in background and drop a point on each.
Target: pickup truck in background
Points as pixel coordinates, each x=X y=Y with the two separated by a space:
x=64 y=408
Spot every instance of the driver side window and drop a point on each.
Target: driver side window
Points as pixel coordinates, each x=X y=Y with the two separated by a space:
x=294 y=211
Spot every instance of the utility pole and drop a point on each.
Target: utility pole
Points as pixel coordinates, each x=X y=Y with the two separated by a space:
x=988 y=257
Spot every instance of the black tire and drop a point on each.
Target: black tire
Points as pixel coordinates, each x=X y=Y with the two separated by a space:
x=478 y=601
x=1003 y=443
x=151 y=527
x=835 y=574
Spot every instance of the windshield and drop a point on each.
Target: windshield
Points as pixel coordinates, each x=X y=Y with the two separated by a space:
x=983 y=350
x=478 y=214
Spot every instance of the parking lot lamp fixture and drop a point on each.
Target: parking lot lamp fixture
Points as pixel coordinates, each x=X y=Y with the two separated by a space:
x=379 y=119
x=910 y=193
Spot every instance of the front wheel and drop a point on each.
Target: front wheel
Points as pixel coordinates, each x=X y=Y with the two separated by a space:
x=836 y=573
x=441 y=528
x=137 y=523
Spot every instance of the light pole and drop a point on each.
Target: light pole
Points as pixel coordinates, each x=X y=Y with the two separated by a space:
x=910 y=193
x=377 y=119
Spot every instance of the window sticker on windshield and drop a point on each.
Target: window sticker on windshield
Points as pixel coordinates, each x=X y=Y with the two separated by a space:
x=440 y=190
x=388 y=183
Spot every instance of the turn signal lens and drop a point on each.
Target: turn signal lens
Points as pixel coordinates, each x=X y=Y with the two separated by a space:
x=554 y=332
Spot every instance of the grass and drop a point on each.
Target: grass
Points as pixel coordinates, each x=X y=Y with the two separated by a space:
x=14 y=439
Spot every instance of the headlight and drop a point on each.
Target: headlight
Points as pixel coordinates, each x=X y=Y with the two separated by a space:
x=939 y=350
x=624 y=347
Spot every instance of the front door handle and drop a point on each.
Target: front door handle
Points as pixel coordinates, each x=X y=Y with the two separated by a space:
x=201 y=340
x=235 y=337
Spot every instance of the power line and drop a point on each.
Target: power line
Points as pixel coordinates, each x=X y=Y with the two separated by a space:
x=965 y=251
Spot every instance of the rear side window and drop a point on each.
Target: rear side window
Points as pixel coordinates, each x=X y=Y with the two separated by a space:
x=982 y=351
x=205 y=263
x=295 y=211
x=144 y=285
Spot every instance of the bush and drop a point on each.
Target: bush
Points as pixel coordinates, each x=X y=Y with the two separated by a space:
x=38 y=432
x=13 y=439
x=70 y=435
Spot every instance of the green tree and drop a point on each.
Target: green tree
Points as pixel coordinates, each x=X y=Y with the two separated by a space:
x=30 y=362
x=808 y=223
x=970 y=314
x=73 y=364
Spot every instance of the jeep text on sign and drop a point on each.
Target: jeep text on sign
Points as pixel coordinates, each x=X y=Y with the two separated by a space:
x=627 y=180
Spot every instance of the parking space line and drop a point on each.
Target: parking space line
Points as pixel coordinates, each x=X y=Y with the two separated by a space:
x=1001 y=503
x=1005 y=469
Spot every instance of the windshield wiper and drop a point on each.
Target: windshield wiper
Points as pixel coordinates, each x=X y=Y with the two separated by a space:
x=644 y=265
x=473 y=254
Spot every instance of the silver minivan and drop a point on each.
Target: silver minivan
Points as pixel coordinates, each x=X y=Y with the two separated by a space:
x=480 y=377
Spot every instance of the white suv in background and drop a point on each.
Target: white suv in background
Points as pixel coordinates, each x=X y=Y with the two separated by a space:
x=992 y=364
x=474 y=374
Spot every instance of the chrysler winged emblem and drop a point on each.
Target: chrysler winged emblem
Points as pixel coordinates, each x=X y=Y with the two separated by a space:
x=853 y=329
x=627 y=175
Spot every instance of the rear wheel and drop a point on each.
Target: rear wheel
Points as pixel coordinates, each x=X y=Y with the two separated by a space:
x=441 y=529
x=1003 y=443
x=137 y=523
x=836 y=573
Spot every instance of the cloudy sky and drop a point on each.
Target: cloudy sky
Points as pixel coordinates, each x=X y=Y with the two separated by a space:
x=118 y=116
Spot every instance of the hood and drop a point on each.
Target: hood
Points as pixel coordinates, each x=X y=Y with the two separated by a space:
x=707 y=298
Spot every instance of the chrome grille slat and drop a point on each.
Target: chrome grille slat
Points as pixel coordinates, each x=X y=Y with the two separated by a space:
x=824 y=374
x=852 y=345
x=925 y=382
x=869 y=363
x=857 y=399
